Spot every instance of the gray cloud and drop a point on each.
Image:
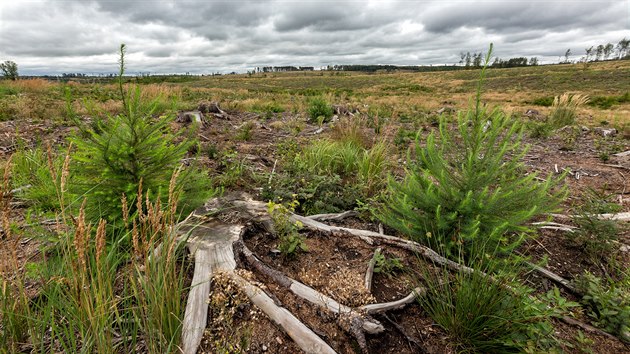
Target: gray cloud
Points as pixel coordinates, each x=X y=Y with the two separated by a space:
x=47 y=36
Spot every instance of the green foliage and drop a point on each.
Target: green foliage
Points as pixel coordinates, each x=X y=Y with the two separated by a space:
x=606 y=102
x=319 y=107
x=545 y=101
x=471 y=192
x=539 y=129
x=564 y=109
x=330 y=176
x=387 y=265
x=126 y=151
x=37 y=176
x=9 y=70
x=609 y=305
x=594 y=236
x=287 y=231
x=244 y=133
x=483 y=316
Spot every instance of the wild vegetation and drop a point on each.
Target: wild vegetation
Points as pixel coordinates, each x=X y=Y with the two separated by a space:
x=478 y=193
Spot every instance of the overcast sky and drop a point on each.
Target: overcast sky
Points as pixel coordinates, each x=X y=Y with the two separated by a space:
x=56 y=36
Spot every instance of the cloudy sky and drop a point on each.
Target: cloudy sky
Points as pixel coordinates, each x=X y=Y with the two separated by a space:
x=203 y=36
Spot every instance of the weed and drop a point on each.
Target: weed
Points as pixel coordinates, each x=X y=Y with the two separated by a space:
x=245 y=131
x=318 y=107
x=482 y=315
x=387 y=265
x=290 y=239
x=609 y=305
x=564 y=109
x=594 y=236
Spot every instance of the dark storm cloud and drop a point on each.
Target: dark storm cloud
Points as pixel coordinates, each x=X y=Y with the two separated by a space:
x=46 y=36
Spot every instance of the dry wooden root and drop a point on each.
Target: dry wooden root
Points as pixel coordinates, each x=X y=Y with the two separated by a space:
x=370 y=270
x=210 y=244
x=218 y=226
x=334 y=217
x=349 y=319
x=394 y=305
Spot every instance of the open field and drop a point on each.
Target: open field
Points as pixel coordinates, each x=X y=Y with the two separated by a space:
x=316 y=143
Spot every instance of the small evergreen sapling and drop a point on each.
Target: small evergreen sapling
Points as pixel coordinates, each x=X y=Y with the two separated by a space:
x=128 y=151
x=472 y=191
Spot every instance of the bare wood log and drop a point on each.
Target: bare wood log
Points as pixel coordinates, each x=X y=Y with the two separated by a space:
x=370 y=270
x=369 y=236
x=211 y=254
x=394 y=305
x=303 y=336
x=334 y=216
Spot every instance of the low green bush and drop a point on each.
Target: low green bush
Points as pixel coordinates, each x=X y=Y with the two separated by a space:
x=609 y=305
x=319 y=107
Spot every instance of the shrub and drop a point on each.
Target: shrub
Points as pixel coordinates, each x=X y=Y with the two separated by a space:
x=290 y=239
x=472 y=193
x=609 y=305
x=318 y=107
x=564 y=109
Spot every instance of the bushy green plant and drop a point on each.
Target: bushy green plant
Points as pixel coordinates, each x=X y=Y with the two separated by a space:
x=387 y=265
x=487 y=316
x=564 y=109
x=36 y=177
x=287 y=231
x=318 y=107
x=472 y=192
x=609 y=305
x=127 y=151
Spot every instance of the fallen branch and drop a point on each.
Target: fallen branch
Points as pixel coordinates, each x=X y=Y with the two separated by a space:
x=403 y=331
x=625 y=216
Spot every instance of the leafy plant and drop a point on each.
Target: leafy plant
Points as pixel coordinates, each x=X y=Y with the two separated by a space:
x=290 y=239
x=595 y=236
x=387 y=265
x=609 y=305
x=318 y=107
x=470 y=192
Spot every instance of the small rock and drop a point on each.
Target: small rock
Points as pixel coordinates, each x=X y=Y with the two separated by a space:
x=585 y=129
x=606 y=131
x=264 y=348
x=279 y=340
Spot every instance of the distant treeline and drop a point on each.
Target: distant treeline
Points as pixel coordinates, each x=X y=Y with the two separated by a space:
x=276 y=69
x=390 y=68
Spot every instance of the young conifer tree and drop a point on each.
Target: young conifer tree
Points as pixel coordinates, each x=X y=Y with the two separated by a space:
x=468 y=188
x=124 y=152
